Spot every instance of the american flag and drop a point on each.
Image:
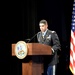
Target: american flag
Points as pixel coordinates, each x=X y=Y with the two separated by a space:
x=72 y=42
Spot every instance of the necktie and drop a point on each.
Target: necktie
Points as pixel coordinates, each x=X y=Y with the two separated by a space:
x=43 y=35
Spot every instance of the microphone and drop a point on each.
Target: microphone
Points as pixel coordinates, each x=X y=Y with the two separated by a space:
x=32 y=38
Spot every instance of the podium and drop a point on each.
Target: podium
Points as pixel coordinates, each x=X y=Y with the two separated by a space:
x=33 y=66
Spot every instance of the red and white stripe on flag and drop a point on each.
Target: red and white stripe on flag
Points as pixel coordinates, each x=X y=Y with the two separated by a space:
x=72 y=53
x=72 y=43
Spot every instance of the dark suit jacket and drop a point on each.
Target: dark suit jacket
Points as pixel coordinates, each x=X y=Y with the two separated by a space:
x=51 y=39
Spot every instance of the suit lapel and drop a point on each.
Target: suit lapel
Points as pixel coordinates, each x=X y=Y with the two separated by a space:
x=43 y=40
x=47 y=36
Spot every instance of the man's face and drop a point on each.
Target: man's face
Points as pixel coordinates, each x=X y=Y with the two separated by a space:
x=43 y=27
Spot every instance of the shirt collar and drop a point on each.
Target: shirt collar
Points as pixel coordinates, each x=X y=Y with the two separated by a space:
x=44 y=32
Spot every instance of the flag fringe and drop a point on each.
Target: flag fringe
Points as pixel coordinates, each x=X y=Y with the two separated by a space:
x=71 y=70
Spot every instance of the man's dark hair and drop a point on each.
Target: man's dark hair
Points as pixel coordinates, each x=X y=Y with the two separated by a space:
x=43 y=21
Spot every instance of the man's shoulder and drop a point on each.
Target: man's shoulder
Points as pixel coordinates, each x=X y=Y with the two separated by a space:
x=38 y=32
x=51 y=31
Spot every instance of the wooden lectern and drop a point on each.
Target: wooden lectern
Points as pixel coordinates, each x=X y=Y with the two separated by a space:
x=33 y=66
